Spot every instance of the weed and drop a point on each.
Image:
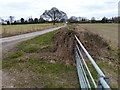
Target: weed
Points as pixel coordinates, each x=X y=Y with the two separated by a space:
x=15 y=55
x=0 y=64
x=30 y=49
x=33 y=61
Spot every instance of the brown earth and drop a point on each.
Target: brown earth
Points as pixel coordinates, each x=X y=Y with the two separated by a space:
x=98 y=47
x=95 y=45
x=64 y=44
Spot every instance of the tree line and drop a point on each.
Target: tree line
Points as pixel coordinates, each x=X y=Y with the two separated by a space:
x=74 y=19
x=55 y=15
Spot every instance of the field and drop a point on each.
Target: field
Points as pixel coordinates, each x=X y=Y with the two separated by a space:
x=30 y=67
x=109 y=34
x=108 y=31
x=10 y=30
x=35 y=63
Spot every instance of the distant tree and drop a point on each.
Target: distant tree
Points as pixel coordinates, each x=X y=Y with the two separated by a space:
x=26 y=21
x=11 y=19
x=30 y=20
x=79 y=18
x=1 y=21
x=22 y=20
x=104 y=20
x=73 y=19
x=54 y=15
x=115 y=19
x=8 y=22
x=15 y=22
x=41 y=20
x=93 y=20
x=83 y=19
x=36 y=20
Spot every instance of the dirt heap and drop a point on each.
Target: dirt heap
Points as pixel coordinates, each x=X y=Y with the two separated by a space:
x=95 y=45
x=64 y=44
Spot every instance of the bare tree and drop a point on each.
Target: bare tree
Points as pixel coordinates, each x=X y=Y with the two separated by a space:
x=1 y=21
x=22 y=20
x=36 y=20
x=11 y=19
x=73 y=19
x=54 y=15
x=93 y=20
x=104 y=20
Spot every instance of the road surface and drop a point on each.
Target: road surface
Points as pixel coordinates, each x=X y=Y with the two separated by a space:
x=23 y=36
x=9 y=42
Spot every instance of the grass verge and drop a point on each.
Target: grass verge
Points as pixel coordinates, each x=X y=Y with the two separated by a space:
x=32 y=72
x=42 y=74
x=0 y=64
x=43 y=42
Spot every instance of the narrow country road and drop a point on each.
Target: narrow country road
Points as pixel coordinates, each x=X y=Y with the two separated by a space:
x=9 y=42
x=23 y=36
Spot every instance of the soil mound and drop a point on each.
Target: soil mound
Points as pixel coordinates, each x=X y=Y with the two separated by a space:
x=95 y=45
x=64 y=44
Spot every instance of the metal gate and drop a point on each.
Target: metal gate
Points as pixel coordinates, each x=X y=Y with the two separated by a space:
x=86 y=79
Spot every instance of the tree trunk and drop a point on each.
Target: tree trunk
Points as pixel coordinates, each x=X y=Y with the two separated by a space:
x=53 y=22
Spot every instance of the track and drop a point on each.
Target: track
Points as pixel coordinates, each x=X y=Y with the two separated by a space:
x=9 y=42
x=28 y=35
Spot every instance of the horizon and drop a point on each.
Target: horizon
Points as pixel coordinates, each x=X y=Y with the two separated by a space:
x=29 y=8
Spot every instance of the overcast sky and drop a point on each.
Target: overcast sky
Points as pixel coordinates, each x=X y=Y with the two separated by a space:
x=83 y=8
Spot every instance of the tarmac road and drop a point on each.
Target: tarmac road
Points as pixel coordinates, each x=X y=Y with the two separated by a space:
x=6 y=44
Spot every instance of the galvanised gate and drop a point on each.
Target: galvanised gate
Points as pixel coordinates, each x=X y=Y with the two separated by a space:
x=84 y=73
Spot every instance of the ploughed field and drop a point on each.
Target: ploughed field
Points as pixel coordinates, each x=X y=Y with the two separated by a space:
x=107 y=31
x=11 y=30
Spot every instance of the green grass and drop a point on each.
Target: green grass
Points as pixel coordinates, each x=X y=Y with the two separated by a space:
x=39 y=73
x=0 y=64
x=43 y=42
x=15 y=55
x=51 y=75
x=93 y=72
x=107 y=69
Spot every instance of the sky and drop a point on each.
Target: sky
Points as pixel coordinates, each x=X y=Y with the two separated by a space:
x=78 y=8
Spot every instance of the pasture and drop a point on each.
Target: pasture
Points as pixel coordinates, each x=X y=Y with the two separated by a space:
x=107 y=31
x=10 y=30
